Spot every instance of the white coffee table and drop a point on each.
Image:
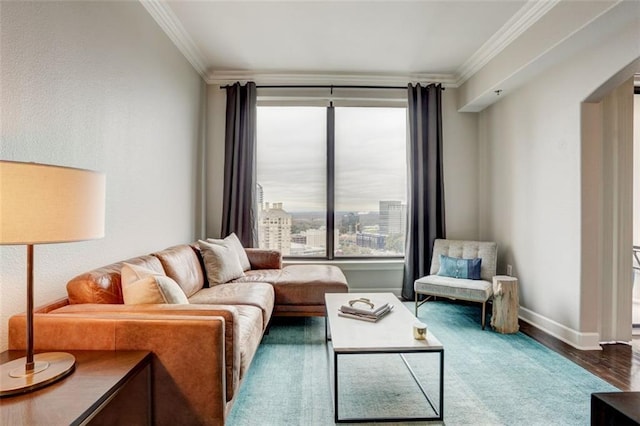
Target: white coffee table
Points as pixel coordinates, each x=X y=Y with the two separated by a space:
x=393 y=333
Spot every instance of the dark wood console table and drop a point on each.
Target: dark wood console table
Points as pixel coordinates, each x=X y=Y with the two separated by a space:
x=107 y=387
x=615 y=408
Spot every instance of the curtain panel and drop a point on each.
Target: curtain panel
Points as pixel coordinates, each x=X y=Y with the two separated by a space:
x=425 y=200
x=238 y=205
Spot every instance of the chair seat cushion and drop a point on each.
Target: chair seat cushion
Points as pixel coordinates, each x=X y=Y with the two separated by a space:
x=455 y=288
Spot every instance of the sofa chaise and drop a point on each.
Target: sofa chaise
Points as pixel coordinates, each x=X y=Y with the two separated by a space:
x=203 y=348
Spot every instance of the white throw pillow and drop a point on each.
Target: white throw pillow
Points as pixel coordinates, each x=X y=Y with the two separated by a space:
x=234 y=244
x=142 y=286
x=220 y=262
x=131 y=273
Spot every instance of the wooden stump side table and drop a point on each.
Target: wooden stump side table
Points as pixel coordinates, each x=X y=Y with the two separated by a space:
x=504 y=317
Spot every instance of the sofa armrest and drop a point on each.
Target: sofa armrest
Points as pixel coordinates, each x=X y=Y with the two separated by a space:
x=228 y=312
x=189 y=355
x=264 y=259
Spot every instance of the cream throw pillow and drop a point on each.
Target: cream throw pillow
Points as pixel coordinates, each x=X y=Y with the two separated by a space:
x=220 y=262
x=131 y=273
x=142 y=286
x=234 y=244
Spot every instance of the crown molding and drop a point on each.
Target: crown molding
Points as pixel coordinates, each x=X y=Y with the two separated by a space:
x=530 y=13
x=222 y=78
x=172 y=26
x=524 y=18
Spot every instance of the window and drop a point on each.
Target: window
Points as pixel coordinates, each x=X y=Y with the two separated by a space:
x=332 y=181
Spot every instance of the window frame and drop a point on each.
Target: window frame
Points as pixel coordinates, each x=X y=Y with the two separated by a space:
x=343 y=97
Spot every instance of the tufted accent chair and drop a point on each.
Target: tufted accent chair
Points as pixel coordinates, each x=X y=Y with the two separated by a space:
x=459 y=288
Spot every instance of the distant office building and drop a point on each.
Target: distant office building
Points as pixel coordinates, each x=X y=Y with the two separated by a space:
x=393 y=217
x=372 y=241
x=350 y=223
x=259 y=197
x=274 y=229
x=298 y=239
x=316 y=237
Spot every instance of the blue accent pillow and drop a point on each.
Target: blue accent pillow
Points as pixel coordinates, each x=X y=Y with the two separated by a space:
x=460 y=268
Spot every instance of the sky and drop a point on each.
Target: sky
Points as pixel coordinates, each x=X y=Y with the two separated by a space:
x=370 y=157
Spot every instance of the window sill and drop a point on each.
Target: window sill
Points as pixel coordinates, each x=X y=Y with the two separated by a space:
x=353 y=264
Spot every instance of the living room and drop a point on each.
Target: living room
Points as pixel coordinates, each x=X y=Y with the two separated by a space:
x=102 y=86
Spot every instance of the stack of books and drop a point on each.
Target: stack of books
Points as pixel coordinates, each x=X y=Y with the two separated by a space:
x=365 y=309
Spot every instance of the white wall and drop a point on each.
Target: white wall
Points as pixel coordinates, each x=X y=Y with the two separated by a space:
x=530 y=174
x=460 y=136
x=636 y=204
x=98 y=85
x=636 y=172
x=216 y=118
x=460 y=177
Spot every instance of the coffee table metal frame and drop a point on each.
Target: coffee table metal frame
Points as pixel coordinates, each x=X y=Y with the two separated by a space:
x=333 y=300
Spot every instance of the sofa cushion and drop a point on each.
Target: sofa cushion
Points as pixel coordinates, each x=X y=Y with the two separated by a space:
x=131 y=273
x=232 y=242
x=307 y=284
x=181 y=263
x=264 y=258
x=103 y=285
x=260 y=295
x=250 y=334
x=221 y=263
x=145 y=286
x=454 y=288
x=260 y=276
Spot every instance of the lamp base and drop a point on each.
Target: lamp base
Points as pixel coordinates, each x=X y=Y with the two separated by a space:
x=49 y=367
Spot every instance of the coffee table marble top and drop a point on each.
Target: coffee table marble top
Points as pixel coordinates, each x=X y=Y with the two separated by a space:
x=393 y=332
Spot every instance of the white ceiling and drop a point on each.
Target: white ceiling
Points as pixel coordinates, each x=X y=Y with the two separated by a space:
x=434 y=37
x=384 y=41
x=445 y=39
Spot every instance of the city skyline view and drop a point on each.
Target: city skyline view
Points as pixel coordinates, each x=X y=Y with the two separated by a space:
x=304 y=234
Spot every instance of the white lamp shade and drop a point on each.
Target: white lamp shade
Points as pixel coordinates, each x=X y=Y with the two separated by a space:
x=41 y=203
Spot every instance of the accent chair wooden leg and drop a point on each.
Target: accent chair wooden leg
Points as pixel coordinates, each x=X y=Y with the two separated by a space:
x=416 y=303
x=484 y=306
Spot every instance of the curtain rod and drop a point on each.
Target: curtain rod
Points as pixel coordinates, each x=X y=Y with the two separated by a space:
x=321 y=86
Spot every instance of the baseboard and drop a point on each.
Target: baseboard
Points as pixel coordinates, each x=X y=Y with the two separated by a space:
x=577 y=339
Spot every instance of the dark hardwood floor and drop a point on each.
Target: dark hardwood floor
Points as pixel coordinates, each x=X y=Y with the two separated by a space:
x=618 y=364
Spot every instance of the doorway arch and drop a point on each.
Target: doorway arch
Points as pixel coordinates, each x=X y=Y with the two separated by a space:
x=607 y=208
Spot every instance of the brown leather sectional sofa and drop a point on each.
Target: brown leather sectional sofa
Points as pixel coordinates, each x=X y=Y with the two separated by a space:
x=202 y=350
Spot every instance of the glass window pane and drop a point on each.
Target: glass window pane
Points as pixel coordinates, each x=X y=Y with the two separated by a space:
x=291 y=177
x=370 y=181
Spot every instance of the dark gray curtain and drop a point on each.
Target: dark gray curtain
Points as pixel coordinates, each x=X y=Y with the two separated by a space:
x=425 y=203
x=239 y=164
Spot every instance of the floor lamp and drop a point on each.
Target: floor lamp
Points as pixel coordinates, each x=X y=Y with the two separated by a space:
x=43 y=204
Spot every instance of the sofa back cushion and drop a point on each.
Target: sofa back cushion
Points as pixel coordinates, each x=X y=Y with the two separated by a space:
x=182 y=265
x=145 y=286
x=461 y=249
x=104 y=285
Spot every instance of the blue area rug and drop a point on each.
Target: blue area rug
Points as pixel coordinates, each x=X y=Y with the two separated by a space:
x=490 y=378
